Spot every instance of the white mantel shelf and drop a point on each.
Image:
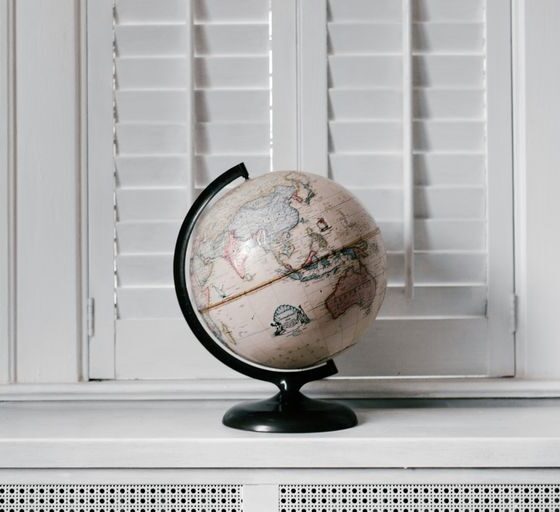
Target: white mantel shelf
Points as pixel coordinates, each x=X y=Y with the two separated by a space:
x=512 y=433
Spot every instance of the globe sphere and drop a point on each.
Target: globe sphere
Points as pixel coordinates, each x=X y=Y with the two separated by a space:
x=287 y=269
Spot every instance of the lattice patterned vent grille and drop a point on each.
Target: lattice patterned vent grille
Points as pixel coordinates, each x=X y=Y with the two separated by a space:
x=121 y=498
x=419 y=498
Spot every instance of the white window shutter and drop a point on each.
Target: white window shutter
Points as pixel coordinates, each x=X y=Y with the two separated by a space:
x=191 y=100
x=318 y=85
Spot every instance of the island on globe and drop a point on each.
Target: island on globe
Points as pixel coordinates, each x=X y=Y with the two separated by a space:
x=287 y=269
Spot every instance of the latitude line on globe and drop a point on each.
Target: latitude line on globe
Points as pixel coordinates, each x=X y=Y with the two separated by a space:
x=231 y=298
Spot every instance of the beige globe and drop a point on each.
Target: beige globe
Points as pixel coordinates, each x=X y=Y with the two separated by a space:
x=287 y=269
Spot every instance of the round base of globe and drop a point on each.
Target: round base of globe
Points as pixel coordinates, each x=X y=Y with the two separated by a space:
x=290 y=412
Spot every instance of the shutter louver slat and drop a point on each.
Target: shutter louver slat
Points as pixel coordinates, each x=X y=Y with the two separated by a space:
x=147 y=11
x=150 y=73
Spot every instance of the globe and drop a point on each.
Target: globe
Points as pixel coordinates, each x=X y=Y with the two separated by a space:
x=287 y=269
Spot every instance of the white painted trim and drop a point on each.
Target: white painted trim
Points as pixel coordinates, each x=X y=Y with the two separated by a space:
x=407 y=151
x=82 y=157
x=7 y=191
x=101 y=185
x=499 y=162
x=211 y=389
x=285 y=128
x=189 y=434
x=48 y=191
x=280 y=476
x=520 y=181
x=190 y=117
x=312 y=96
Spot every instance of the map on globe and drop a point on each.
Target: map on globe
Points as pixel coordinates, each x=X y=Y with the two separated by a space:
x=287 y=269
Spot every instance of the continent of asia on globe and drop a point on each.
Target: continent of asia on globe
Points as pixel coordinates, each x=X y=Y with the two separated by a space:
x=287 y=269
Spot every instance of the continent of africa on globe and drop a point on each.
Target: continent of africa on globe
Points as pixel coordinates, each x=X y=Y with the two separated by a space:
x=287 y=269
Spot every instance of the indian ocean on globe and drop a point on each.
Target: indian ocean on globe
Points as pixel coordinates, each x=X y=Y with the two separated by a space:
x=287 y=269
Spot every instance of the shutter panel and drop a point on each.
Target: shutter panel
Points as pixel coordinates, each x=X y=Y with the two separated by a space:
x=193 y=94
x=444 y=327
x=448 y=137
x=158 y=168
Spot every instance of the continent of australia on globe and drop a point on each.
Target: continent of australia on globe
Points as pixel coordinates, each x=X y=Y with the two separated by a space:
x=287 y=269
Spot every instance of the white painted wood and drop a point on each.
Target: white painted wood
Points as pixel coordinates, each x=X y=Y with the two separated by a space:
x=163 y=11
x=313 y=87
x=241 y=388
x=519 y=100
x=85 y=303
x=446 y=37
x=173 y=137
x=284 y=54
x=537 y=125
x=365 y=10
x=101 y=186
x=49 y=301
x=142 y=352
x=251 y=71
x=382 y=136
x=448 y=122
x=365 y=125
x=499 y=157
x=514 y=434
x=375 y=71
x=258 y=497
x=152 y=72
x=407 y=150
x=144 y=40
x=441 y=70
x=377 y=103
x=352 y=37
x=190 y=106
x=221 y=11
x=5 y=198
x=265 y=476
x=7 y=191
x=451 y=10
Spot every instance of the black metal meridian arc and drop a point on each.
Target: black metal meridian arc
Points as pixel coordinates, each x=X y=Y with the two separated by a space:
x=287 y=381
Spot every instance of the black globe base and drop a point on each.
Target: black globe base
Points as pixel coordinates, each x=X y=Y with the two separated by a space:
x=291 y=412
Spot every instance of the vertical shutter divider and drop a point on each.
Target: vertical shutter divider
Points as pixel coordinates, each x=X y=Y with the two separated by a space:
x=285 y=130
x=190 y=117
x=408 y=175
x=313 y=86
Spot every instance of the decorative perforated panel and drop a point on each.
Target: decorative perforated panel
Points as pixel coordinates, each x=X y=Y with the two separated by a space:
x=121 y=498
x=420 y=498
